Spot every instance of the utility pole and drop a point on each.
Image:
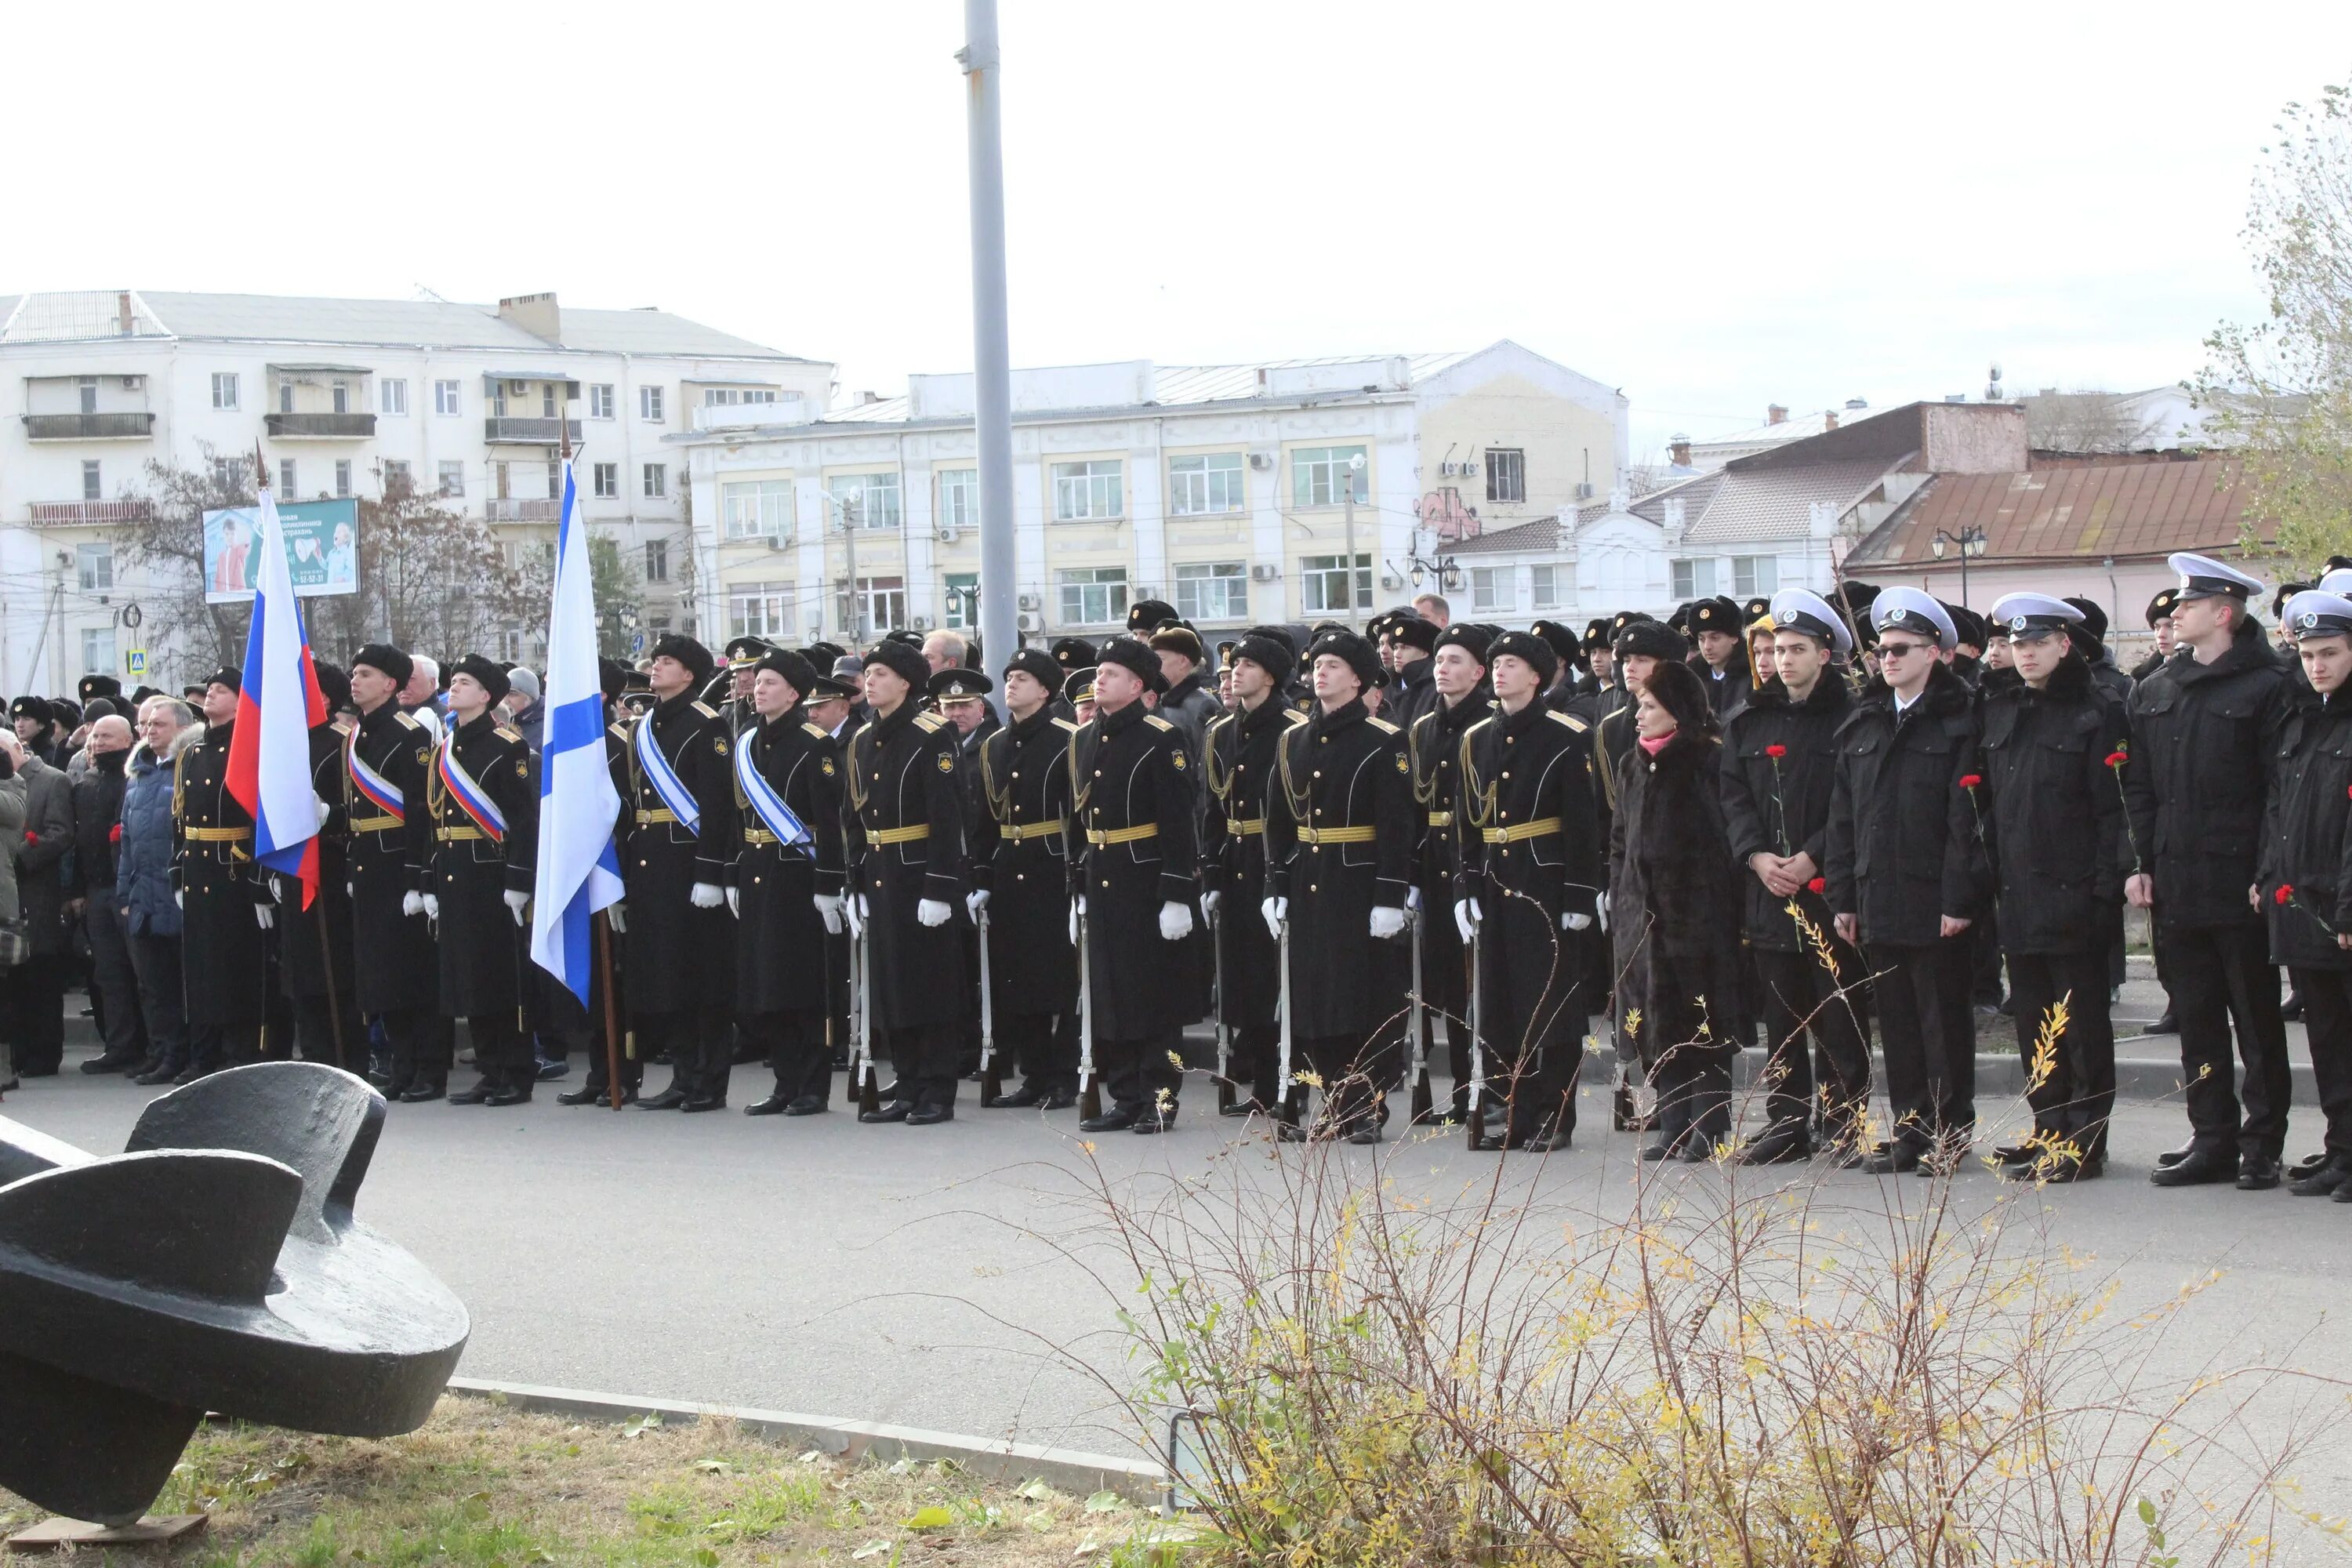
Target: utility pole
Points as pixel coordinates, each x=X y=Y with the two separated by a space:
x=856 y=606
x=1348 y=479
x=991 y=354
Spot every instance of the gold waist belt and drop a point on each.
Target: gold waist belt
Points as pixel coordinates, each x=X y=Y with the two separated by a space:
x=456 y=835
x=646 y=818
x=758 y=838
x=1517 y=831
x=1243 y=826
x=899 y=835
x=1033 y=829
x=377 y=823
x=1440 y=819
x=1100 y=836
x=1335 y=836
x=216 y=835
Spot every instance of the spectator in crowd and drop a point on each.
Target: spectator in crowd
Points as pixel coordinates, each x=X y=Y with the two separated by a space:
x=142 y=883
x=98 y=831
x=12 y=825
x=37 y=988
x=421 y=697
x=1434 y=610
x=525 y=710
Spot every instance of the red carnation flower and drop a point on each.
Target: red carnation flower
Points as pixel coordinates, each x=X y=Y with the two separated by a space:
x=2286 y=891
x=1775 y=751
x=1971 y=781
x=31 y=837
x=1818 y=884
x=115 y=834
x=2117 y=759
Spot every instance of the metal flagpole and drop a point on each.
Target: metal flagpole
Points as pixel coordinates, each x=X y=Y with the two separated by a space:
x=992 y=355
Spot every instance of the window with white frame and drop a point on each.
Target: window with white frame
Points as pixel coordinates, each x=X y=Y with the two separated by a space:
x=1093 y=595
x=757 y=509
x=759 y=610
x=499 y=399
x=446 y=398
x=554 y=479
x=98 y=650
x=285 y=398
x=395 y=475
x=285 y=479
x=736 y=396
x=342 y=477
x=1320 y=476
x=956 y=607
x=1693 y=579
x=342 y=397
x=94 y=567
x=649 y=404
x=656 y=481
x=608 y=480
x=93 y=487
x=1212 y=590
x=657 y=560
x=1491 y=589
x=87 y=387
x=1755 y=576
x=866 y=500
x=1507 y=474
x=883 y=602
x=600 y=400
x=1205 y=485
x=959 y=498
x=1090 y=491
x=453 y=478
x=224 y=473
x=224 y=389
x=391 y=396
x=1547 y=587
x=1323 y=584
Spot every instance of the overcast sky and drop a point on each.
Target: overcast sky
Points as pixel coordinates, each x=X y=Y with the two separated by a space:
x=1712 y=207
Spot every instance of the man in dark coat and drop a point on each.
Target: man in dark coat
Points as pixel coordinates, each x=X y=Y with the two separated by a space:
x=483 y=800
x=1642 y=644
x=1021 y=880
x=36 y=999
x=1721 y=662
x=785 y=885
x=959 y=693
x=678 y=835
x=2054 y=813
x=1239 y=773
x=395 y=975
x=1134 y=797
x=1528 y=893
x=1187 y=704
x=903 y=842
x=2197 y=790
x=226 y=908
x=98 y=836
x=1410 y=641
x=1340 y=830
x=323 y=1033
x=1434 y=744
x=1778 y=767
x=1905 y=874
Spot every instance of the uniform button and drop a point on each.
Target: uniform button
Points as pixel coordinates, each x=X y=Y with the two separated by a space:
x=755 y=881
x=1105 y=881
x=643 y=863
x=1097 y=773
x=1506 y=772
x=1019 y=878
x=1310 y=887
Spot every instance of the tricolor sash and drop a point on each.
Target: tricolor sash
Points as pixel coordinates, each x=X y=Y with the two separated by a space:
x=471 y=798
x=665 y=779
x=779 y=818
x=369 y=783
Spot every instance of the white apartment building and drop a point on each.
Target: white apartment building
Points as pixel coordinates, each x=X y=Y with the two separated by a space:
x=1236 y=492
x=470 y=401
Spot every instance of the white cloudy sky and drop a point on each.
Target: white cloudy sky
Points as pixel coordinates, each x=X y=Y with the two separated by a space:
x=1711 y=206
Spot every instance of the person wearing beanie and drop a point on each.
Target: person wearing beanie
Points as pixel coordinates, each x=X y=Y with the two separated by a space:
x=2159 y=621
x=1146 y=617
x=226 y=909
x=1458 y=664
x=526 y=714
x=1239 y=774
x=1187 y=704
x=98 y=815
x=1719 y=632
x=1641 y=643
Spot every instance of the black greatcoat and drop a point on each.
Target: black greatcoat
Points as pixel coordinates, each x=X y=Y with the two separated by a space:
x=2054 y=810
x=393 y=953
x=2196 y=783
x=903 y=780
x=1436 y=746
x=301 y=961
x=1342 y=771
x=482 y=949
x=1902 y=841
x=1781 y=805
x=224 y=956
x=780 y=936
x=1022 y=857
x=681 y=958
x=2305 y=845
x=1670 y=883
x=1241 y=773
x=1131 y=772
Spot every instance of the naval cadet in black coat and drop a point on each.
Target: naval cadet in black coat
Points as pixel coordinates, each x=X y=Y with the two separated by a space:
x=1458 y=681
x=386 y=758
x=1239 y=768
x=326 y=1020
x=226 y=908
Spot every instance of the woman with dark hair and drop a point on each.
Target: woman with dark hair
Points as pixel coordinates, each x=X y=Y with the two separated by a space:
x=1674 y=894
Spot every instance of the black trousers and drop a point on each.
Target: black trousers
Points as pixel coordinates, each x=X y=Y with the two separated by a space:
x=2220 y=976
x=1354 y=1072
x=1693 y=1075
x=314 y=1033
x=926 y=1060
x=1800 y=999
x=155 y=961
x=794 y=1046
x=2078 y=1095
x=1928 y=1032
x=1035 y=1044
x=501 y=1050
x=701 y=1047
x=1135 y=1073
x=36 y=1012
x=113 y=981
x=2328 y=1019
x=424 y=1044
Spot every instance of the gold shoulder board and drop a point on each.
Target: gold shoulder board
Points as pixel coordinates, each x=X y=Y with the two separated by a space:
x=927 y=723
x=1293 y=716
x=704 y=708
x=1157 y=723
x=410 y=719
x=505 y=733
x=1382 y=725
x=1571 y=719
x=1070 y=725
x=819 y=731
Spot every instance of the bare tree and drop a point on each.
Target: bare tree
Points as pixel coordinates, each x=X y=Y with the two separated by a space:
x=168 y=546
x=2086 y=420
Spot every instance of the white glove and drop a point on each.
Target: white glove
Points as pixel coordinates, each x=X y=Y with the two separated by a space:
x=1569 y=920
x=517 y=902
x=857 y=912
x=975 y=901
x=933 y=912
x=1275 y=910
x=1077 y=907
x=1601 y=902
x=1175 y=920
x=828 y=909
x=1412 y=900
x=325 y=810
x=1209 y=903
x=706 y=896
x=1387 y=922
x=617 y=916
x=411 y=902
x=263 y=916
x=350 y=890
x=1466 y=916
x=735 y=902
x=276 y=889
x=432 y=906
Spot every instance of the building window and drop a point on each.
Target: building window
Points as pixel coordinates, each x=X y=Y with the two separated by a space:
x=759 y=610
x=865 y=501
x=342 y=477
x=758 y=509
x=1093 y=595
x=88 y=387
x=1323 y=584
x=94 y=567
x=1547 y=587
x=649 y=404
x=608 y=480
x=453 y=479
x=224 y=389
x=1217 y=590
x=393 y=397
x=1490 y=589
x=285 y=398
x=342 y=397
x=958 y=608
x=1507 y=474
x=1320 y=476
x=1199 y=487
x=98 y=650
x=395 y=475
x=446 y=398
x=92 y=487
x=1755 y=576
x=657 y=560
x=882 y=602
x=548 y=405
x=554 y=479
x=600 y=400
x=1694 y=580
x=959 y=498
x=656 y=481
x=1089 y=493
x=285 y=479
x=736 y=396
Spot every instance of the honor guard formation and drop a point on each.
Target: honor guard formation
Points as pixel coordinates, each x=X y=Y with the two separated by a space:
x=1434 y=862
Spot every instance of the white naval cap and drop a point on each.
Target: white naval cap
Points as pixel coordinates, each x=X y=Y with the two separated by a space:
x=1909 y=610
x=2318 y=613
x=2032 y=614
x=1802 y=610
x=2339 y=581
x=2202 y=577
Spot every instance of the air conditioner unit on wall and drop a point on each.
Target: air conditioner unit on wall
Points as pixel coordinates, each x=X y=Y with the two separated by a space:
x=1029 y=621
x=1584 y=490
x=1261 y=461
x=950 y=533
x=778 y=542
x=1030 y=602
x=1265 y=574
x=920 y=623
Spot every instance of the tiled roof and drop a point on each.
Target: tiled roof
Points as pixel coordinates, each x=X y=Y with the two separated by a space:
x=1542 y=537
x=2119 y=509
x=1175 y=386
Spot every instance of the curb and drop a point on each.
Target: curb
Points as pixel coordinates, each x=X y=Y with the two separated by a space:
x=1066 y=1469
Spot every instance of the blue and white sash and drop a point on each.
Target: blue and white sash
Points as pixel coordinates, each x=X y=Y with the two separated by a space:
x=471 y=797
x=789 y=829
x=666 y=782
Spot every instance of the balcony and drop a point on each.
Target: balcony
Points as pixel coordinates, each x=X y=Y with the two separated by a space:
x=85 y=514
x=88 y=427
x=499 y=431
x=523 y=511
x=785 y=410
x=320 y=427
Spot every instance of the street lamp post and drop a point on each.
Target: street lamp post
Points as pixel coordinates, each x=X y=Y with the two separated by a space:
x=1971 y=542
x=1355 y=615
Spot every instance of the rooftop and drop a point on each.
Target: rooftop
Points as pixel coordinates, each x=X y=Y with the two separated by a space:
x=2111 y=509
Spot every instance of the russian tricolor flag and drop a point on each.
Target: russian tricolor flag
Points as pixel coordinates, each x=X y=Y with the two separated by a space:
x=269 y=755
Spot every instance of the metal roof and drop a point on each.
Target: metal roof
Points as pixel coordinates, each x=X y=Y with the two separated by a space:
x=69 y=316
x=2116 y=509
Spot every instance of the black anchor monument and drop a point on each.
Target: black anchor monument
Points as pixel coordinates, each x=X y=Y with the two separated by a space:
x=212 y=1267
